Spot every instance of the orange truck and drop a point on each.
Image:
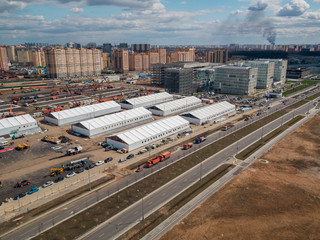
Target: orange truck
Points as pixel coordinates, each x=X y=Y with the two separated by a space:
x=55 y=93
x=160 y=158
x=187 y=146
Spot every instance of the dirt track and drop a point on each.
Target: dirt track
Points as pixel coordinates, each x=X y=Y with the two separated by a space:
x=275 y=200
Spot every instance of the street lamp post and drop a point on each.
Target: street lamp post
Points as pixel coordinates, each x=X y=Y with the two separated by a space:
x=89 y=179
x=142 y=209
x=200 y=170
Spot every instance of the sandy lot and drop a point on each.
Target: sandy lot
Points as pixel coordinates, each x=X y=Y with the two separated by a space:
x=275 y=200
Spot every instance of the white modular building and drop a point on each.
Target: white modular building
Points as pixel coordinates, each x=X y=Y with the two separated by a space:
x=146 y=101
x=79 y=114
x=113 y=122
x=20 y=125
x=208 y=113
x=148 y=133
x=179 y=105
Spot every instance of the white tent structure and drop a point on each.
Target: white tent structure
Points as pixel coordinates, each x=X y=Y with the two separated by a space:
x=179 y=105
x=24 y=124
x=146 y=101
x=110 y=123
x=148 y=133
x=206 y=114
x=79 y=114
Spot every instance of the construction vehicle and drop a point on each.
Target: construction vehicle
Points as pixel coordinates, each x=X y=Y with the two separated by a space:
x=74 y=150
x=199 y=140
x=55 y=171
x=57 y=109
x=156 y=160
x=51 y=139
x=187 y=146
x=23 y=183
x=227 y=127
x=55 y=93
x=54 y=97
x=47 y=111
x=75 y=101
x=23 y=146
x=15 y=100
x=76 y=164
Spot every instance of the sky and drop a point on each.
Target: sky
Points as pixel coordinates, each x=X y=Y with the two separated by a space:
x=160 y=22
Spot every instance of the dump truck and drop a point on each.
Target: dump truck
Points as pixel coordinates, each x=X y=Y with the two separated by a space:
x=199 y=140
x=187 y=146
x=55 y=171
x=160 y=158
x=51 y=139
x=74 y=150
x=23 y=146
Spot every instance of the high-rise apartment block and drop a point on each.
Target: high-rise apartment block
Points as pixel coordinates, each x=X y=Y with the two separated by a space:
x=265 y=73
x=123 y=61
x=140 y=47
x=107 y=47
x=120 y=60
x=63 y=63
x=181 y=55
x=235 y=80
x=217 y=56
x=24 y=55
x=12 y=56
x=38 y=57
x=4 y=59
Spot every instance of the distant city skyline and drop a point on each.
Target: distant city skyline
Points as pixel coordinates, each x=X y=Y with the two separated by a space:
x=160 y=22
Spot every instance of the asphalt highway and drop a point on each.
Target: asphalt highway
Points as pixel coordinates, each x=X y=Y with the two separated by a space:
x=131 y=215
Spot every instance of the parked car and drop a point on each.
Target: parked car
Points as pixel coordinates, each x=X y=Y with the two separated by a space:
x=59 y=179
x=153 y=146
x=80 y=170
x=122 y=160
x=71 y=174
x=1 y=147
x=20 y=195
x=139 y=169
x=33 y=190
x=142 y=151
x=104 y=144
x=99 y=163
x=109 y=159
x=47 y=184
x=130 y=156
x=90 y=166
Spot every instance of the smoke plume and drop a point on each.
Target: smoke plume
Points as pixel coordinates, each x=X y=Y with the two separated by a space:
x=254 y=21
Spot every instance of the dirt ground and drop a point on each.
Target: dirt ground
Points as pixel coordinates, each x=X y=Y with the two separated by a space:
x=279 y=199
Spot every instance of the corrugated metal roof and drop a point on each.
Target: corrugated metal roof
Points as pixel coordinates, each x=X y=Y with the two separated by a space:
x=148 y=99
x=146 y=131
x=16 y=121
x=207 y=111
x=83 y=110
x=114 y=118
x=178 y=103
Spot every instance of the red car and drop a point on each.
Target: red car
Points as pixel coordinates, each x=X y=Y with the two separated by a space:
x=139 y=169
x=23 y=183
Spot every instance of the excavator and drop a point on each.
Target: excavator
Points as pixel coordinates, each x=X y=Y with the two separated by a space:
x=55 y=171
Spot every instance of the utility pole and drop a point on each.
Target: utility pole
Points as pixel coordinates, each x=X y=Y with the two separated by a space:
x=142 y=209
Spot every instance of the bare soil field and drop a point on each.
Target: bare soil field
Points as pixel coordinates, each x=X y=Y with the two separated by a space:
x=279 y=199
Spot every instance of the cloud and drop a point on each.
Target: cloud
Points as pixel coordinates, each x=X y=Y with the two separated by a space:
x=76 y=10
x=258 y=6
x=293 y=8
x=7 y=6
x=312 y=15
x=316 y=1
x=183 y=2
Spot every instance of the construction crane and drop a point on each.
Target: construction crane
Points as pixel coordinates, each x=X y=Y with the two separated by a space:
x=75 y=101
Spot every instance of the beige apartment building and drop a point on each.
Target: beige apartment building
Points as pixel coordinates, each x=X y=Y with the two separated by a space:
x=63 y=63
x=38 y=57
x=181 y=55
x=120 y=60
x=4 y=59
x=217 y=56
x=12 y=56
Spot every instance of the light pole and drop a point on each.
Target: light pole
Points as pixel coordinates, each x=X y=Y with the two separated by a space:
x=200 y=170
x=89 y=179
x=142 y=210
